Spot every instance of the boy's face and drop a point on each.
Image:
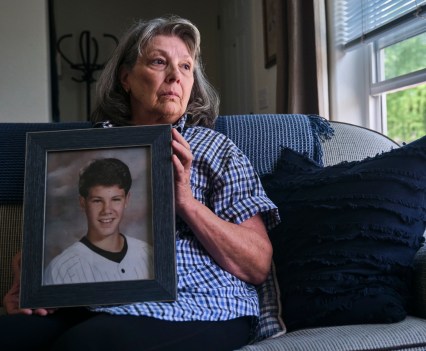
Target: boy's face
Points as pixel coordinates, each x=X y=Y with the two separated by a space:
x=104 y=207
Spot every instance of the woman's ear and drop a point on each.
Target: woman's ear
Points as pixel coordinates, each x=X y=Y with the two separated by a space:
x=124 y=74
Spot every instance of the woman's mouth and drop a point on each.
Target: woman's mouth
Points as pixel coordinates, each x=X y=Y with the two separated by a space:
x=170 y=94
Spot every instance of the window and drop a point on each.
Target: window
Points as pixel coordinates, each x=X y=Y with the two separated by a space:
x=395 y=30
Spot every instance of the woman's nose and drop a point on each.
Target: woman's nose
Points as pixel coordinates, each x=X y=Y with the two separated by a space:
x=173 y=74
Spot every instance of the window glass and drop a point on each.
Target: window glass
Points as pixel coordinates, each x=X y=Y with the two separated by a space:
x=404 y=57
x=406 y=114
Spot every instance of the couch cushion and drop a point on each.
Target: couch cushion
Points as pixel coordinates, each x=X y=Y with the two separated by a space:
x=349 y=233
x=408 y=335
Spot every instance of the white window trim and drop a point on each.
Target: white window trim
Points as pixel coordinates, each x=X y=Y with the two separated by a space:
x=399 y=83
x=378 y=87
x=349 y=77
x=356 y=98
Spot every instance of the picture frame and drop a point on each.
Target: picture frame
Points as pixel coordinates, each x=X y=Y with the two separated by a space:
x=52 y=166
x=270 y=35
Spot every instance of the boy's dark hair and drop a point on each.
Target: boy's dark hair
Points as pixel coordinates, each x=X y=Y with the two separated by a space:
x=105 y=172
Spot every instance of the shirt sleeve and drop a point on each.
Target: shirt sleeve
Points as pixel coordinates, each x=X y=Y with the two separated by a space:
x=238 y=193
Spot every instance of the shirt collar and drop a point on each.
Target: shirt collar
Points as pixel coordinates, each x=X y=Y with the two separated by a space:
x=180 y=123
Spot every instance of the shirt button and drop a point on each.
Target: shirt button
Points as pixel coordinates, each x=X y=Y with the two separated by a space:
x=123 y=270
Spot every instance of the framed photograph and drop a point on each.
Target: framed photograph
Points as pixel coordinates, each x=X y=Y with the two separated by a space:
x=270 y=13
x=99 y=218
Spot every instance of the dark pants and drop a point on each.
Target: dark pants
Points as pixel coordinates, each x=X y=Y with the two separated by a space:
x=77 y=329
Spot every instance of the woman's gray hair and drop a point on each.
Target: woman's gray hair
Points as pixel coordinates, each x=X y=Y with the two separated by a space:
x=113 y=103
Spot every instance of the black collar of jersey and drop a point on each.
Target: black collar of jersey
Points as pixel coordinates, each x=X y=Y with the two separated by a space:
x=113 y=256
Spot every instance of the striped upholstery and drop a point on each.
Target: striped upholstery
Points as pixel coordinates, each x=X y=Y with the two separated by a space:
x=353 y=143
x=409 y=334
x=10 y=242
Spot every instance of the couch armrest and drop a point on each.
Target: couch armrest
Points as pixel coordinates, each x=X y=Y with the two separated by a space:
x=420 y=283
x=354 y=143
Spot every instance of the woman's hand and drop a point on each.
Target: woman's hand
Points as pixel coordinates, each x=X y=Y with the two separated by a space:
x=182 y=160
x=11 y=299
x=243 y=250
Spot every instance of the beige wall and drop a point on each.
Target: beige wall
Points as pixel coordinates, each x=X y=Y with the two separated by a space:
x=24 y=65
x=265 y=80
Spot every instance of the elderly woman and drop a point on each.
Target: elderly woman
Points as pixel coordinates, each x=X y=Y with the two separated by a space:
x=222 y=246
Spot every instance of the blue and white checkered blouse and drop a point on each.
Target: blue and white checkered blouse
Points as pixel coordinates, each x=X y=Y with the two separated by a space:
x=223 y=180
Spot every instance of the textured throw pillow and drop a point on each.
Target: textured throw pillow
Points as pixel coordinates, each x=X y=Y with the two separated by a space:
x=349 y=233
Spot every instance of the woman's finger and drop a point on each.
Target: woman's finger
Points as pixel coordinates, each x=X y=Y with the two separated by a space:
x=180 y=139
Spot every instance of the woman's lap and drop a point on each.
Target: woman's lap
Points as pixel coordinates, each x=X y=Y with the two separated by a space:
x=23 y=332
x=90 y=332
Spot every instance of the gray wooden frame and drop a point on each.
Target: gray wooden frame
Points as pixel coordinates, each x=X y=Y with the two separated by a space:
x=163 y=287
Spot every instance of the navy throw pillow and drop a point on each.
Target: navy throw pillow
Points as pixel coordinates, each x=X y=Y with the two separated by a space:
x=345 y=247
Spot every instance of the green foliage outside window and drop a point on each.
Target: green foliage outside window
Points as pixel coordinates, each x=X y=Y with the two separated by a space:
x=406 y=114
x=406 y=109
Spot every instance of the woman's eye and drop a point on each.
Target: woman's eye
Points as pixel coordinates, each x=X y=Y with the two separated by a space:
x=158 y=62
x=187 y=66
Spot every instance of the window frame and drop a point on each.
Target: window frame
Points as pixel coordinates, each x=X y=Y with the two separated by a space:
x=352 y=70
x=380 y=87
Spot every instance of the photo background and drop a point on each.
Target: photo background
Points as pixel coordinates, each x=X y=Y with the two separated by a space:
x=65 y=221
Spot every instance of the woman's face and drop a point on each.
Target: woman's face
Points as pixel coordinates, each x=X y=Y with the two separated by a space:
x=160 y=82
